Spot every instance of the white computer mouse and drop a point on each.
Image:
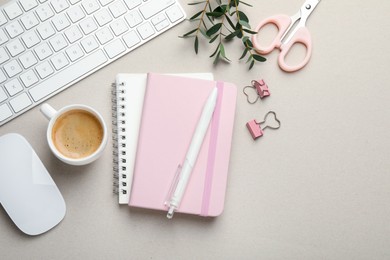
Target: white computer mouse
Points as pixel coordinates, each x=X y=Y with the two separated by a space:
x=27 y=192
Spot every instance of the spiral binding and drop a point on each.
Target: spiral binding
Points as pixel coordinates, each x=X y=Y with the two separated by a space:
x=119 y=138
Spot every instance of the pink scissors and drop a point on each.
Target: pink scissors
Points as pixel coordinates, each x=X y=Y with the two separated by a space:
x=288 y=35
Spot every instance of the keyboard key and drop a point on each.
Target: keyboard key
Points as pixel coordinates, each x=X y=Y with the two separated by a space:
x=15 y=47
x=46 y=30
x=90 y=6
x=160 y=22
x=14 y=29
x=131 y=39
x=145 y=30
x=3 y=95
x=29 y=21
x=73 y=34
x=132 y=3
x=3 y=20
x=13 y=87
x=75 y=52
x=29 y=78
x=117 y=9
x=105 y=2
x=28 y=59
x=2 y=77
x=115 y=48
x=153 y=7
x=174 y=13
x=12 y=68
x=74 y=1
x=30 y=39
x=88 y=25
x=20 y=102
x=104 y=35
x=43 y=51
x=3 y=37
x=119 y=27
x=59 y=61
x=58 y=42
x=60 y=22
x=162 y=25
x=3 y=55
x=59 y=5
x=13 y=10
x=158 y=18
x=44 y=69
x=133 y=18
x=103 y=17
x=28 y=4
x=76 y=13
x=44 y=12
x=89 y=44
x=5 y=112
x=68 y=75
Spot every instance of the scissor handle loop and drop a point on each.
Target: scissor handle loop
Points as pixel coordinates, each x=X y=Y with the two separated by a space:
x=301 y=36
x=282 y=22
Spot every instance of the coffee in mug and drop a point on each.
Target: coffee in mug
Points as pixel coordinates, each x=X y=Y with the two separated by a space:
x=77 y=134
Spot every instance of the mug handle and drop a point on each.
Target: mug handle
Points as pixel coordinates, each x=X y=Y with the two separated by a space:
x=48 y=111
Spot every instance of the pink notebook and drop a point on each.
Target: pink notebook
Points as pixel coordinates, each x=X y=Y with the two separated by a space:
x=172 y=108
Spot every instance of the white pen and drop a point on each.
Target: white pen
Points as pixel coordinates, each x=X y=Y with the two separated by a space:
x=193 y=151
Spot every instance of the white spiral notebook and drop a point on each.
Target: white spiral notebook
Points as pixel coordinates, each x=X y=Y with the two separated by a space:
x=128 y=98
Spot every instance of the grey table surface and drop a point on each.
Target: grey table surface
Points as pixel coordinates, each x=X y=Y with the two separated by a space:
x=317 y=188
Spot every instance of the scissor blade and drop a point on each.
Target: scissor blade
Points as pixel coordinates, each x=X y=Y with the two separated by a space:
x=307 y=8
x=299 y=19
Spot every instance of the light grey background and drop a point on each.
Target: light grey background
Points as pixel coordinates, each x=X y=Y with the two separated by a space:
x=317 y=188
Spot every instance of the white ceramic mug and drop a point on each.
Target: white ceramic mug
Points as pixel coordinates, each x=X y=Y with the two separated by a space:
x=52 y=115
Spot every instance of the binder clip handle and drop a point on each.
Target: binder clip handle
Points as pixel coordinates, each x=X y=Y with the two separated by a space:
x=255 y=128
x=261 y=89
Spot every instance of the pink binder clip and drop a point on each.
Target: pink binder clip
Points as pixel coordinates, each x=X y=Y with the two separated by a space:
x=255 y=128
x=261 y=89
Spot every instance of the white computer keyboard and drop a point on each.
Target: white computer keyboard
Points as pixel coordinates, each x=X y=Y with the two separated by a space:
x=47 y=45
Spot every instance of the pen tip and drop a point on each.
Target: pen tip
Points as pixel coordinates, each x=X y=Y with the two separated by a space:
x=170 y=213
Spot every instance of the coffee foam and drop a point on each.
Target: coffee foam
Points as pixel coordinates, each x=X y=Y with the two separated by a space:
x=77 y=134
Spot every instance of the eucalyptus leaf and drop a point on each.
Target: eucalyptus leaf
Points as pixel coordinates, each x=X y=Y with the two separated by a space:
x=234 y=3
x=251 y=65
x=197 y=3
x=214 y=14
x=222 y=51
x=243 y=17
x=196 y=44
x=213 y=39
x=249 y=31
x=232 y=35
x=259 y=58
x=196 y=15
x=215 y=52
x=244 y=53
x=245 y=24
x=230 y=22
x=189 y=33
x=217 y=58
x=244 y=3
x=215 y=28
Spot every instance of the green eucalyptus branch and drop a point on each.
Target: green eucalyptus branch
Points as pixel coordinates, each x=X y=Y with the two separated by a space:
x=224 y=21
